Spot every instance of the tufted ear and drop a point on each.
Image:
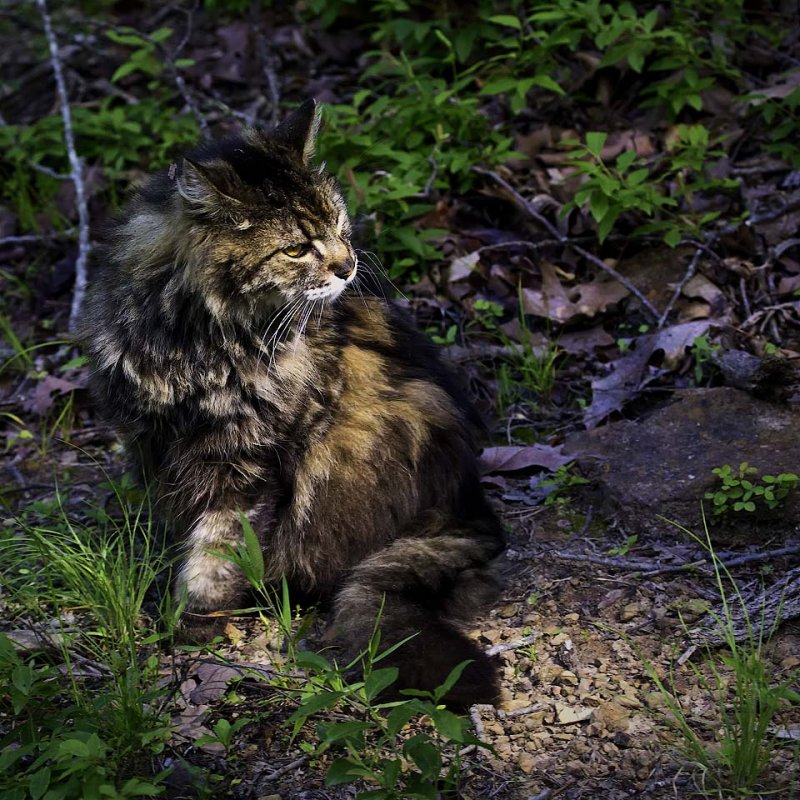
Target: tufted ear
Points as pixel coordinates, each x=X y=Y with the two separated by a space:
x=299 y=130
x=210 y=187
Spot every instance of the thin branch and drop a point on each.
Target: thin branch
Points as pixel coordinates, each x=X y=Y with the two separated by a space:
x=762 y=556
x=515 y=645
x=298 y=762
x=477 y=726
x=35 y=237
x=690 y=272
x=528 y=207
x=771 y=216
x=268 y=65
x=76 y=171
x=612 y=562
x=646 y=568
x=51 y=173
x=520 y=712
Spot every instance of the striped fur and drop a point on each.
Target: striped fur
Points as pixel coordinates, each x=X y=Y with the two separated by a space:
x=245 y=377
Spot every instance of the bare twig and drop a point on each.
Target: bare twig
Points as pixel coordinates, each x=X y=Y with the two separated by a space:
x=298 y=762
x=35 y=237
x=771 y=216
x=187 y=33
x=515 y=645
x=458 y=354
x=51 y=173
x=690 y=271
x=519 y=243
x=76 y=170
x=268 y=66
x=647 y=568
x=612 y=562
x=477 y=726
x=762 y=556
x=520 y=712
x=745 y=300
x=528 y=207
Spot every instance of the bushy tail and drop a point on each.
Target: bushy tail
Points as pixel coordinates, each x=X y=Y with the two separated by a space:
x=429 y=585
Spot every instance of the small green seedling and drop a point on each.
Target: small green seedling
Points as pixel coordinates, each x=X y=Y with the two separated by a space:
x=743 y=490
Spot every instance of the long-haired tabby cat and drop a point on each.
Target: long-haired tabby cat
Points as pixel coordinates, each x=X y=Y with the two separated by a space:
x=246 y=378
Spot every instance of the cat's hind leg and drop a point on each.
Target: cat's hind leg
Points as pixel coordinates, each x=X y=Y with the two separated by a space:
x=428 y=586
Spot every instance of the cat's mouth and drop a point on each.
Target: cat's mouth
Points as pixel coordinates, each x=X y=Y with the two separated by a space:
x=333 y=288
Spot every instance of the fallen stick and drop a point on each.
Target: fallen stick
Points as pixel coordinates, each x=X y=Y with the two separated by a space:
x=298 y=762
x=646 y=568
x=690 y=271
x=515 y=645
x=520 y=712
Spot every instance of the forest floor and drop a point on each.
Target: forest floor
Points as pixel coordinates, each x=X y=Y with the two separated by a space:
x=575 y=353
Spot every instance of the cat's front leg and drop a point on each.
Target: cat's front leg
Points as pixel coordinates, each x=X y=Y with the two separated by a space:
x=209 y=584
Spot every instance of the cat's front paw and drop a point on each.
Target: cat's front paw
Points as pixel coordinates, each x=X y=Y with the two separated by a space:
x=198 y=628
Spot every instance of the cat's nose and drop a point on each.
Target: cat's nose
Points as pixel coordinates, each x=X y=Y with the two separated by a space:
x=343 y=269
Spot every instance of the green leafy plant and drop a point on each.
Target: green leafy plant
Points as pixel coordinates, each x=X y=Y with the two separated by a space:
x=632 y=186
x=560 y=484
x=743 y=489
x=610 y=190
x=624 y=548
x=407 y=749
x=703 y=353
x=143 y=58
x=223 y=733
x=532 y=372
x=392 y=147
x=275 y=603
x=118 y=137
x=779 y=117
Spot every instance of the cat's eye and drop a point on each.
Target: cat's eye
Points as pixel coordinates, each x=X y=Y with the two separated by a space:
x=296 y=250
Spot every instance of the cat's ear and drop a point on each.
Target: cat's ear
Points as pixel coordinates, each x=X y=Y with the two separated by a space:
x=299 y=130
x=209 y=187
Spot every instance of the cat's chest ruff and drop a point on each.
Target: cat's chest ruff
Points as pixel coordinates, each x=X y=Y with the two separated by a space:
x=284 y=380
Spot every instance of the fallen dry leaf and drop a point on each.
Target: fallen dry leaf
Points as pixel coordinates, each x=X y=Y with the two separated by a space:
x=551 y=301
x=597 y=296
x=630 y=373
x=512 y=458
x=50 y=385
x=462 y=267
x=585 y=341
x=214 y=680
x=561 y=304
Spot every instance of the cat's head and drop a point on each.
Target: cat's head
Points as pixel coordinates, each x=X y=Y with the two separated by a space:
x=267 y=222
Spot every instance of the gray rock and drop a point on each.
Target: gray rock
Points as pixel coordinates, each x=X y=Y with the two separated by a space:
x=662 y=464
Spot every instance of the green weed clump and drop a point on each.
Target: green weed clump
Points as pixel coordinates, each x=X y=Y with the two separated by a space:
x=87 y=718
x=430 y=108
x=394 y=139
x=732 y=758
x=630 y=185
